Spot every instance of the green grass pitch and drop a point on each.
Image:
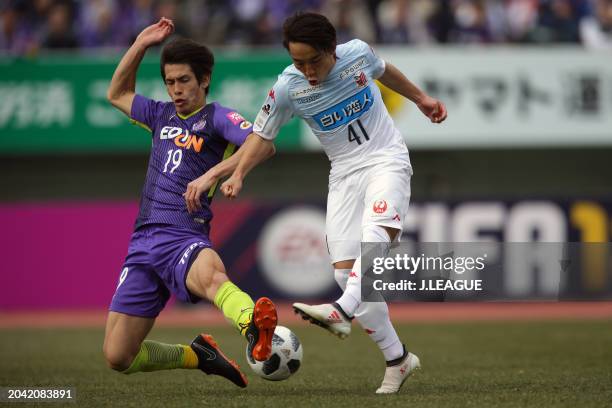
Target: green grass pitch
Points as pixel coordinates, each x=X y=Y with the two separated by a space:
x=512 y=364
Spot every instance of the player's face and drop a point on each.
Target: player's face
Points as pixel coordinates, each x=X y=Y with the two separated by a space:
x=187 y=94
x=314 y=64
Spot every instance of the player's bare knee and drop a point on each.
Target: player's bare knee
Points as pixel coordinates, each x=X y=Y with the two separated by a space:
x=204 y=279
x=118 y=365
x=116 y=358
x=392 y=232
x=198 y=279
x=372 y=232
x=210 y=286
x=347 y=264
x=219 y=277
x=207 y=269
x=206 y=283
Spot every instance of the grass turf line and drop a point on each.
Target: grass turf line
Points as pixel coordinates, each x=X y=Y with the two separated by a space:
x=511 y=364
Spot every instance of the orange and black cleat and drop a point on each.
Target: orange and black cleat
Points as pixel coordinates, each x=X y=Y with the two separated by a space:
x=211 y=360
x=261 y=330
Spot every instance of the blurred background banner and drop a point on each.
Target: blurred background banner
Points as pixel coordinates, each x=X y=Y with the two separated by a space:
x=498 y=98
x=507 y=97
x=69 y=255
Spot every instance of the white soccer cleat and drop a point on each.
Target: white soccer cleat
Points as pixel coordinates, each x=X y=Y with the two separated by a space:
x=327 y=316
x=396 y=375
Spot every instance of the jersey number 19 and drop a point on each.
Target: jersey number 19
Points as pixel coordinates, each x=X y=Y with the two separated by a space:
x=174 y=159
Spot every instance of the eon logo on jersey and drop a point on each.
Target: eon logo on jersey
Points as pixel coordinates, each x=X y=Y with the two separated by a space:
x=346 y=111
x=182 y=138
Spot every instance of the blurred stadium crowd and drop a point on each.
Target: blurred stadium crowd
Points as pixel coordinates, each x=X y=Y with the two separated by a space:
x=29 y=26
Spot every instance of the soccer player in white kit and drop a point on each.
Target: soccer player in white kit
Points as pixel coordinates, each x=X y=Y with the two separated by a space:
x=332 y=88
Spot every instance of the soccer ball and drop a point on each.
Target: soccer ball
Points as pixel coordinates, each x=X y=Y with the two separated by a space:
x=286 y=356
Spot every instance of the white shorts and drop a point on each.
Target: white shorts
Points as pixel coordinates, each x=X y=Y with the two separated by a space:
x=375 y=195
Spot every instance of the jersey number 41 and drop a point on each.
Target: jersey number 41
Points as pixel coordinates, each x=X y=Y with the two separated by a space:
x=353 y=135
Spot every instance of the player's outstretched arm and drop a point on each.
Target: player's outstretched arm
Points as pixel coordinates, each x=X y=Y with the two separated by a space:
x=254 y=151
x=202 y=184
x=395 y=80
x=123 y=84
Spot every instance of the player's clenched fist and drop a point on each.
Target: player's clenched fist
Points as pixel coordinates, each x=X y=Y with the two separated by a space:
x=433 y=109
x=231 y=187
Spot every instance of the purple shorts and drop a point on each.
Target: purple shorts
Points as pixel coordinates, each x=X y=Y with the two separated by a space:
x=158 y=259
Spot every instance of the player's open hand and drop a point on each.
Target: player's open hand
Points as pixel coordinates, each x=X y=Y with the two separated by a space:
x=194 y=192
x=433 y=109
x=156 y=33
x=231 y=187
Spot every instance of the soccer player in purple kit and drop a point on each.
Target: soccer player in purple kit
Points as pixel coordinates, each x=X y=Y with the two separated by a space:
x=170 y=250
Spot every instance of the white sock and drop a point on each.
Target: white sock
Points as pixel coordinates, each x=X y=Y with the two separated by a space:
x=374 y=318
x=395 y=350
x=351 y=298
x=341 y=276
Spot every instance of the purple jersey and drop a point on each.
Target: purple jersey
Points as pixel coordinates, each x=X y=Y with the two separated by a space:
x=184 y=148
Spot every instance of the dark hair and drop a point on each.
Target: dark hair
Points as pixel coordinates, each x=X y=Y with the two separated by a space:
x=312 y=29
x=186 y=51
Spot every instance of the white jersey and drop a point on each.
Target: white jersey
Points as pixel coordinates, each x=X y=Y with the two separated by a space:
x=345 y=111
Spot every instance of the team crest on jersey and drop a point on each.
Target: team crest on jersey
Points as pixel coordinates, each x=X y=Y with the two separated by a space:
x=245 y=125
x=199 y=125
x=235 y=118
x=380 y=206
x=361 y=79
x=272 y=95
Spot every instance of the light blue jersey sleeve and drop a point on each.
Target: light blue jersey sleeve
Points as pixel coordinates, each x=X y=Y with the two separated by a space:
x=376 y=64
x=276 y=110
